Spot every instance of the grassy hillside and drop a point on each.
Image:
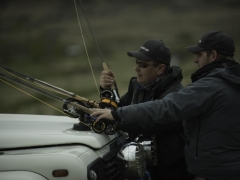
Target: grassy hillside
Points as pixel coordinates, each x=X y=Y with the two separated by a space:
x=42 y=39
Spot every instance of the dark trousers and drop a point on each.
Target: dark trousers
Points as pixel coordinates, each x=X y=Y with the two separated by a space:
x=177 y=171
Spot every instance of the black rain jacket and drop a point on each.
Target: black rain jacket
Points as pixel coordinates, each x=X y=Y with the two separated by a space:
x=210 y=108
x=170 y=139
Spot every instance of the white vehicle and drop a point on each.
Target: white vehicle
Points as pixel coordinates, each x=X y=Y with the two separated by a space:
x=42 y=147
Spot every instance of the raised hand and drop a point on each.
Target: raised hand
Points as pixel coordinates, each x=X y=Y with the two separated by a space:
x=107 y=79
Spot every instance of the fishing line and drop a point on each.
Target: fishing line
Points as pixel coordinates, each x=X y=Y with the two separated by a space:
x=84 y=43
x=41 y=84
x=34 y=83
x=40 y=100
x=33 y=96
x=95 y=42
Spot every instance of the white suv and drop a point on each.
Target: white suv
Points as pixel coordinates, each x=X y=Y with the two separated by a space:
x=42 y=147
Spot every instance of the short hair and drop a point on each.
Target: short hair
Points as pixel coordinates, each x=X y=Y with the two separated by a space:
x=168 y=67
x=220 y=56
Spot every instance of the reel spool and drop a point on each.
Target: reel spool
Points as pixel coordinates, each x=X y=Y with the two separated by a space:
x=98 y=126
x=104 y=126
x=111 y=128
x=108 y=103
x=107 y=100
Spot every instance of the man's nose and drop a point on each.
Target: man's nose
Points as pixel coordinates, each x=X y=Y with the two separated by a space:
x=195 y=60
x=137 y=68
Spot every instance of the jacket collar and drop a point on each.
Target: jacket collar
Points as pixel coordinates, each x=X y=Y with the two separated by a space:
x=221 y=63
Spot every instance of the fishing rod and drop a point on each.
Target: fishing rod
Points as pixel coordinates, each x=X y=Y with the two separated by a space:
x=47 y=86
x=70 y=101
x=72 y=106
x=107 y=94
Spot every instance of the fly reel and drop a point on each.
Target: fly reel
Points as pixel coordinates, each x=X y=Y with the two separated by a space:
x=107 y=101
x=71 y=108
x=105 y=126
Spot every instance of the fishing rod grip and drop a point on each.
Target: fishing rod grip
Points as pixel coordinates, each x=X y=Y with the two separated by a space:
x=96 y=105
x=113 y=88
x=105 y=68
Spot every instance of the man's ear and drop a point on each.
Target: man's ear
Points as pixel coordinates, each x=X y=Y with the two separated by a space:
x=214 y=55
x=161 y=69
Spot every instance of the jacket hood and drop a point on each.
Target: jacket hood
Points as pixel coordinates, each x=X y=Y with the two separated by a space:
x=231 y=75
x=175 y=73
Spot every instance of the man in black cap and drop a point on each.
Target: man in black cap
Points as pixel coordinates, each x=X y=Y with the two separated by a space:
x=155 y=79
x=215 y=43
x=209 y=107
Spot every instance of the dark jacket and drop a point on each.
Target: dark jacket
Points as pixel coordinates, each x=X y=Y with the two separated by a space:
x=170 y=139
x=210 y=110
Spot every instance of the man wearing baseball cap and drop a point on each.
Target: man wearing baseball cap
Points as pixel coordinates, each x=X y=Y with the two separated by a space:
x=209 y=108
x=217 y=43
x=155 y=78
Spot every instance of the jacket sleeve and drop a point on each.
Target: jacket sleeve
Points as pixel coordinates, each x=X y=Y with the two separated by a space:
x=187 y=103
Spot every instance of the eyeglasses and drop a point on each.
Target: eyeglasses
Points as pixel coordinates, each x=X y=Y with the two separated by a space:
x=143 y=64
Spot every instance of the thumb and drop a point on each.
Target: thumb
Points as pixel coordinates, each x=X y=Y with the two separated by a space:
x=110 y=73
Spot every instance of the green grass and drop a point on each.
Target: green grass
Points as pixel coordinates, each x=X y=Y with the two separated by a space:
x=35 y=36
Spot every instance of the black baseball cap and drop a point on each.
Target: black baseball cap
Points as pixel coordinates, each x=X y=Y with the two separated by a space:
x=214 y=40
x=152 y=50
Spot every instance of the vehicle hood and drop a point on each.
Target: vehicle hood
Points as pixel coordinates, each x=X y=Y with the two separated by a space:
x=20 y=130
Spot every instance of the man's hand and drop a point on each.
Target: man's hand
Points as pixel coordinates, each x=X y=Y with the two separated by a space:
x=102 y=114
x=107 y=79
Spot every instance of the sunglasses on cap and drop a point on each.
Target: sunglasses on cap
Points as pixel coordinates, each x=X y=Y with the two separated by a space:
x=143 y=64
